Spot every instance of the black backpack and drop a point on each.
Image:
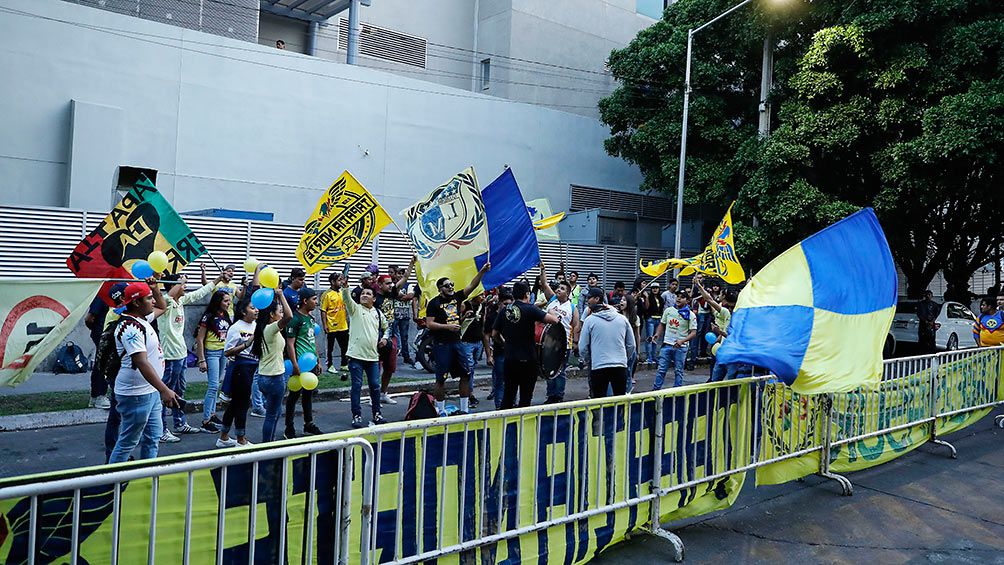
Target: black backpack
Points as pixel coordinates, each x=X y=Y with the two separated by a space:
x=70 y=359
x=422 y=406
x=107 y=360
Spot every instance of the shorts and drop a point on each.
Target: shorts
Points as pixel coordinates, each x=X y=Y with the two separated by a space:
x=450 y=358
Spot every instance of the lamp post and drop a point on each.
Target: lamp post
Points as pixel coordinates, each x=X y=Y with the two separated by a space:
x=764 y=108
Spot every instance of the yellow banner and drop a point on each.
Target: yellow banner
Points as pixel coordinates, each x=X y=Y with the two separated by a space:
x=37 y=316
x=435 y=487
x=346 y=218
x=540 y=213
x=719 y=259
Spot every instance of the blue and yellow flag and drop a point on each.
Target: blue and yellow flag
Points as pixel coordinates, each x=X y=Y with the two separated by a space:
x=817 y=315
x=346 y=217
x=513 y=248
x=719 y=258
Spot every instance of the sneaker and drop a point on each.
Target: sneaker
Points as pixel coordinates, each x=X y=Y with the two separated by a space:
x=460 y=413
x=226 y=443
x=258 y=412
x=357 y=421
x=385 y=399
x=491 y=396
x=344 y=372
x=473 y=402
x=378 y=419
x=331 y=370
x=224 y=397
x=311 y=429
x=416 y=366
x=246 y=443
x=290 y=433
x=210 y=428
x=168 y=437
x=101 y=402
x=216 y=420
x=186 y=429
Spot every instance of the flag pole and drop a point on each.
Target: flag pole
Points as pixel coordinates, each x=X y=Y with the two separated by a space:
x=213 y=259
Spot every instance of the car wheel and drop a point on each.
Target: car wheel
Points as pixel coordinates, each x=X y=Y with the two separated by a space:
x=953 y=343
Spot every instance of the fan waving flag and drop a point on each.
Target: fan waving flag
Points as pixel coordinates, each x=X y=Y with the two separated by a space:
x=817 y=316
x=449 y=224
x=345 y=218
x=719 y=258
x=141 y=223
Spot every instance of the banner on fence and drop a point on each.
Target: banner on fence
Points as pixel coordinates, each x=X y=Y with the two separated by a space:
x=436 y=487
x=37 y=316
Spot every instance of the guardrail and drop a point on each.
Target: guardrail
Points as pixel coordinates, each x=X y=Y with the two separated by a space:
x=561 y=481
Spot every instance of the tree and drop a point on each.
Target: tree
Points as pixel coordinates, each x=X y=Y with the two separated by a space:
x=895 y=104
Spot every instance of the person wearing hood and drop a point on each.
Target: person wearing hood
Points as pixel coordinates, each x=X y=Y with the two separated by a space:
x=677 y=327
x=606 y=342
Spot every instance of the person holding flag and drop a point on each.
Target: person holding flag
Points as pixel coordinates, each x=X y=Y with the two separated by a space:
x=442 y=318
x=677 y=327
x=559 y=304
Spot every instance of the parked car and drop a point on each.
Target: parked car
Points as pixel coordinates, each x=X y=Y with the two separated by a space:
x=953 y=326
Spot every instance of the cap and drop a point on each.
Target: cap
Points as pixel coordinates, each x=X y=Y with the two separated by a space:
x=306 y=292
x=594 y=293
x=115 y=292
x=297 y=272
x=366 y=275
x=655 y=284
x=135 y=290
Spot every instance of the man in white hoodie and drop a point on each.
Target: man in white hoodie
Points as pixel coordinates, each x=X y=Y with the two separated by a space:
x=606 y=342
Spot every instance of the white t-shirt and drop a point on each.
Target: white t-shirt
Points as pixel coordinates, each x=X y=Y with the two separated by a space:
x=564 y=313
x=130 y=339
x=240 y=331
x=668 y=299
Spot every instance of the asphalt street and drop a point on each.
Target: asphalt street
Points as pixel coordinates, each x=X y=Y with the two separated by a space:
x=52 y=449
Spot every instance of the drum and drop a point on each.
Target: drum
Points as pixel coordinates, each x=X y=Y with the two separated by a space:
x=553 y=349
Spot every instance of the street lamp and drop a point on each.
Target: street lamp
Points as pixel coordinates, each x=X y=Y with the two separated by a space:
x=764 y=108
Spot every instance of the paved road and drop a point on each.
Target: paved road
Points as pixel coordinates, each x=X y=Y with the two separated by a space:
x=921 y=508
x=37 y=451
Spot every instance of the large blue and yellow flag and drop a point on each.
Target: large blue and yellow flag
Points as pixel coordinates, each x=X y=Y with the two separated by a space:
x=817 y=315
x=513 y=248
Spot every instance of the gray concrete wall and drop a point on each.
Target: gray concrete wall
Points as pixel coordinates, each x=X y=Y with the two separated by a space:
x=232 y=124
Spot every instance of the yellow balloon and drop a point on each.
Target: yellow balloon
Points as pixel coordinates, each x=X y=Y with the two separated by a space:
x=308 y=381
x=714 y=348
x=294 y=383
x=158 y=260
x=250 y=264
x=269 y=277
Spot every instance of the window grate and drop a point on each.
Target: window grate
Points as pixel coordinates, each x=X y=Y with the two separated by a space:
x=386 y=44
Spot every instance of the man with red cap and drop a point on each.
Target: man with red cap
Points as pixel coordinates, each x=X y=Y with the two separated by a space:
x=140 y=392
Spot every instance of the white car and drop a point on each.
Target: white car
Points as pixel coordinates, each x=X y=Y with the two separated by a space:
x=953 y=326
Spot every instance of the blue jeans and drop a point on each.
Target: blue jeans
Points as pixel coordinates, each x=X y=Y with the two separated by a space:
x=372 y=370
x=112 y=425
x=401 y=331
x=215 y=362
x=651 y=350
x=701 y=345
x=556 y=384
x=257 y=399
x=142 y=424
x=471 y=351
x=174 y=378
x=272 y=388
x=498 y=380
x=451 y=358
x=675 y=355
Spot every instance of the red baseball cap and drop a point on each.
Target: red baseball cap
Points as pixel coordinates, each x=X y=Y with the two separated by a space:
x=135 y=290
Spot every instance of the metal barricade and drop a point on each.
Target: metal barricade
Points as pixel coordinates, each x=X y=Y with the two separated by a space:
x=91 y=495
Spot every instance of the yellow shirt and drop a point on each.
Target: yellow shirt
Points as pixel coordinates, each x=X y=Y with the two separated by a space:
x=333 y=308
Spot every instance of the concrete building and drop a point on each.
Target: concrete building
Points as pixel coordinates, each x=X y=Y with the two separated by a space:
x=223 y=122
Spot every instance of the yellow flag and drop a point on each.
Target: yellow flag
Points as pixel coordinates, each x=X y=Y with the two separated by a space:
x=548 y=222
x=719 y=259
x=345 y=219
x=540 y=211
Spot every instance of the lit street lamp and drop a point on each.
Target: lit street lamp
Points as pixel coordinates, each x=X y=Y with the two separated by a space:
x=764 y=109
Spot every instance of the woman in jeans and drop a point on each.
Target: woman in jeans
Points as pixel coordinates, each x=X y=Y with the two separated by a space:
x=242 y=371
x=210 y=339
x=268 y=346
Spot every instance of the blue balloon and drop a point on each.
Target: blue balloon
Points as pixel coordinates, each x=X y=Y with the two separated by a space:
x=262 y=298
x=317 y=329
x=289 y=366
x=142 y=270
x=711 y=338
x=307 y=362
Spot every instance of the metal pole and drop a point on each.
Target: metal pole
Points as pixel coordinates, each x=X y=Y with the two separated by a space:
x=353 y=48
x=312 y=38
x=683 y=153
x=766 y=80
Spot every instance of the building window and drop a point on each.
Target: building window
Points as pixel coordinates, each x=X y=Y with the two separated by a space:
x=486 y=73
x=651 y=8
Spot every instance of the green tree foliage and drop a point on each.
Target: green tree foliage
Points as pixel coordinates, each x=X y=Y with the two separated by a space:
x=896 y=104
